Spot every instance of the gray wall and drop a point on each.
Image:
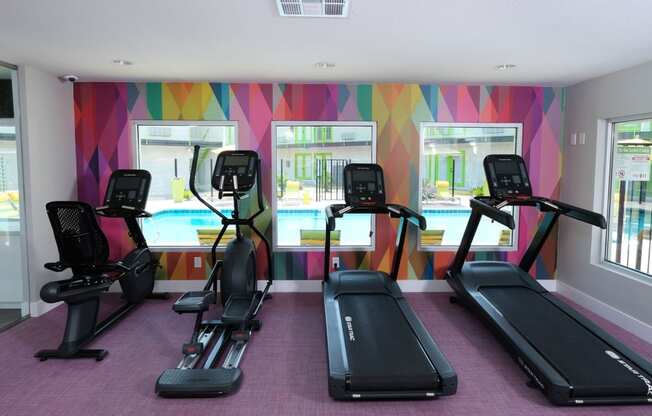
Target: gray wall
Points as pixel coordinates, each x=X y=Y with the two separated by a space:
x=49 y=165
x=589 y=104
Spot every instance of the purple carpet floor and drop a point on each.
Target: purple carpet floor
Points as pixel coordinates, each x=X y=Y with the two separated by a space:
x=284 y=367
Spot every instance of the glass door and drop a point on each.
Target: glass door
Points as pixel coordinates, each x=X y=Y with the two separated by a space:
x=13 y=279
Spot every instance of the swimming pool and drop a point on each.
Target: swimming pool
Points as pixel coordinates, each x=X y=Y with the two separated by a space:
x=178 y=227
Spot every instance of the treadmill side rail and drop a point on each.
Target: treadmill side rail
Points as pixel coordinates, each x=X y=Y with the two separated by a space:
x=620 y=348
x=345 y=382
x=539 y=370
x=447 y=376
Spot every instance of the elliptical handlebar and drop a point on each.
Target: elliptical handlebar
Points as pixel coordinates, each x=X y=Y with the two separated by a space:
x=259 y=195
x=193 y=188
x=234 y=221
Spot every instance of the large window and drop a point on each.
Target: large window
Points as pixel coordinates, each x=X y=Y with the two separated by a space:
x=452 y=173
x=165 y=150
x=309 y=160
x=9 y=185
x=629 y=232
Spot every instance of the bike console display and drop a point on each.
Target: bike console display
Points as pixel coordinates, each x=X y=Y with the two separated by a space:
x=240 y=164
x=507 y=176
x=128 y=187
x=364 y=184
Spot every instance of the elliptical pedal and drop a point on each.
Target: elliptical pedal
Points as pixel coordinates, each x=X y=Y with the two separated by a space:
x=193 y=348
x=211 y=382
x=240 y=336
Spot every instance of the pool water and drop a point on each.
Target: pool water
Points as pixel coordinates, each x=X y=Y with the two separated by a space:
x=454 y=224
x=178 y=227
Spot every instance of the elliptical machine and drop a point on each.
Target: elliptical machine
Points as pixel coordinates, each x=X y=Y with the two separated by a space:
x=235 y=174
x=84 y=248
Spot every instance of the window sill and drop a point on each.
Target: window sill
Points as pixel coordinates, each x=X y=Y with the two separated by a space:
x=624 y=272
x=449 y=248
x=180 y=249
x=302 y=249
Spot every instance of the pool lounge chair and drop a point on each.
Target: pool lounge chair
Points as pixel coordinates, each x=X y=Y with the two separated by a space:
x=318 y=237
x=432 y=237
x=505 y=238
x=207 y=236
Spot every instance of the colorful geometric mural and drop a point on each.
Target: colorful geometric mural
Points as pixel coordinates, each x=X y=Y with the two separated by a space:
x=104 y=112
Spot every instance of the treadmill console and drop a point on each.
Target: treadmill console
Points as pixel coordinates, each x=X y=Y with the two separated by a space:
x=128 y=187
x=507 y=176
x=239 y=163
x=364 y=184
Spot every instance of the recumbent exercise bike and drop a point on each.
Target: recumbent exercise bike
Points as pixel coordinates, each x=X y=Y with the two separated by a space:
x=84 y=249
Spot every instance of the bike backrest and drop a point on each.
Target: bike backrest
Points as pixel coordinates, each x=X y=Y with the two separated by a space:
x=79 y=238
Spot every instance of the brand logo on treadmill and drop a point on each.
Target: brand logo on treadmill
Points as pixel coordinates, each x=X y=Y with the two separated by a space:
x=349 y=328
x=632 y=370
x=531 y=373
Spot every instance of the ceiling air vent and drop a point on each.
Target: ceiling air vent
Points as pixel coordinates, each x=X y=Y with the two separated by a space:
x=313 y=8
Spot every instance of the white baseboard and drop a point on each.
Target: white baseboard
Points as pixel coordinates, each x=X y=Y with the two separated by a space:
x=300 y=286
x=39 y=308
x=548 y=284
x=314 y=286
x=175 y=286
x=281 y=286
x=608 y=312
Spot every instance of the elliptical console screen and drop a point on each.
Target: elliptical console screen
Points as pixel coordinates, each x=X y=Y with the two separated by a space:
x=507 y=176
x=364 y=184
x=238 y=163
x=128 y=187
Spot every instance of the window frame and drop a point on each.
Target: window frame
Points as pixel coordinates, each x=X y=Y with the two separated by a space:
x=606 y=201
x=18 y=123
x=290 y=123
x=518 y=150
x=136 y=162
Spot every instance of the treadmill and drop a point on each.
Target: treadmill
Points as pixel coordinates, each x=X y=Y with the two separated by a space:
x=377 y=346
x=564 y=354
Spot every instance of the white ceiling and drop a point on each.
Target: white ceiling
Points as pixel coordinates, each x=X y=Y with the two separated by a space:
x=554 y=42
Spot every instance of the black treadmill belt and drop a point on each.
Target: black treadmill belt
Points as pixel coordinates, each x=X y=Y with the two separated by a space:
x=383 y=352
x=572 y=349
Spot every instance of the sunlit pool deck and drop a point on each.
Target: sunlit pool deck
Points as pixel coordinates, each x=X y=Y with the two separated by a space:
x=179 y=222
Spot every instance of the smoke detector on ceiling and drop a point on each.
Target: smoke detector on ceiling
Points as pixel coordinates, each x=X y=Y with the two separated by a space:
x=313 y=8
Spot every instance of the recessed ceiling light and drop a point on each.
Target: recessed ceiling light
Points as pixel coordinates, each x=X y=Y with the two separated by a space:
x=325 y=65
x=122 y=62
x=505 y=67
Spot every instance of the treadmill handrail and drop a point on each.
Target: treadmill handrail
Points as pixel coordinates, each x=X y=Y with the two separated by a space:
x=394 y=210
x=580 y=214
x=412 y=216
x=544 y=205
x=498 y=215
x=490 y=207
